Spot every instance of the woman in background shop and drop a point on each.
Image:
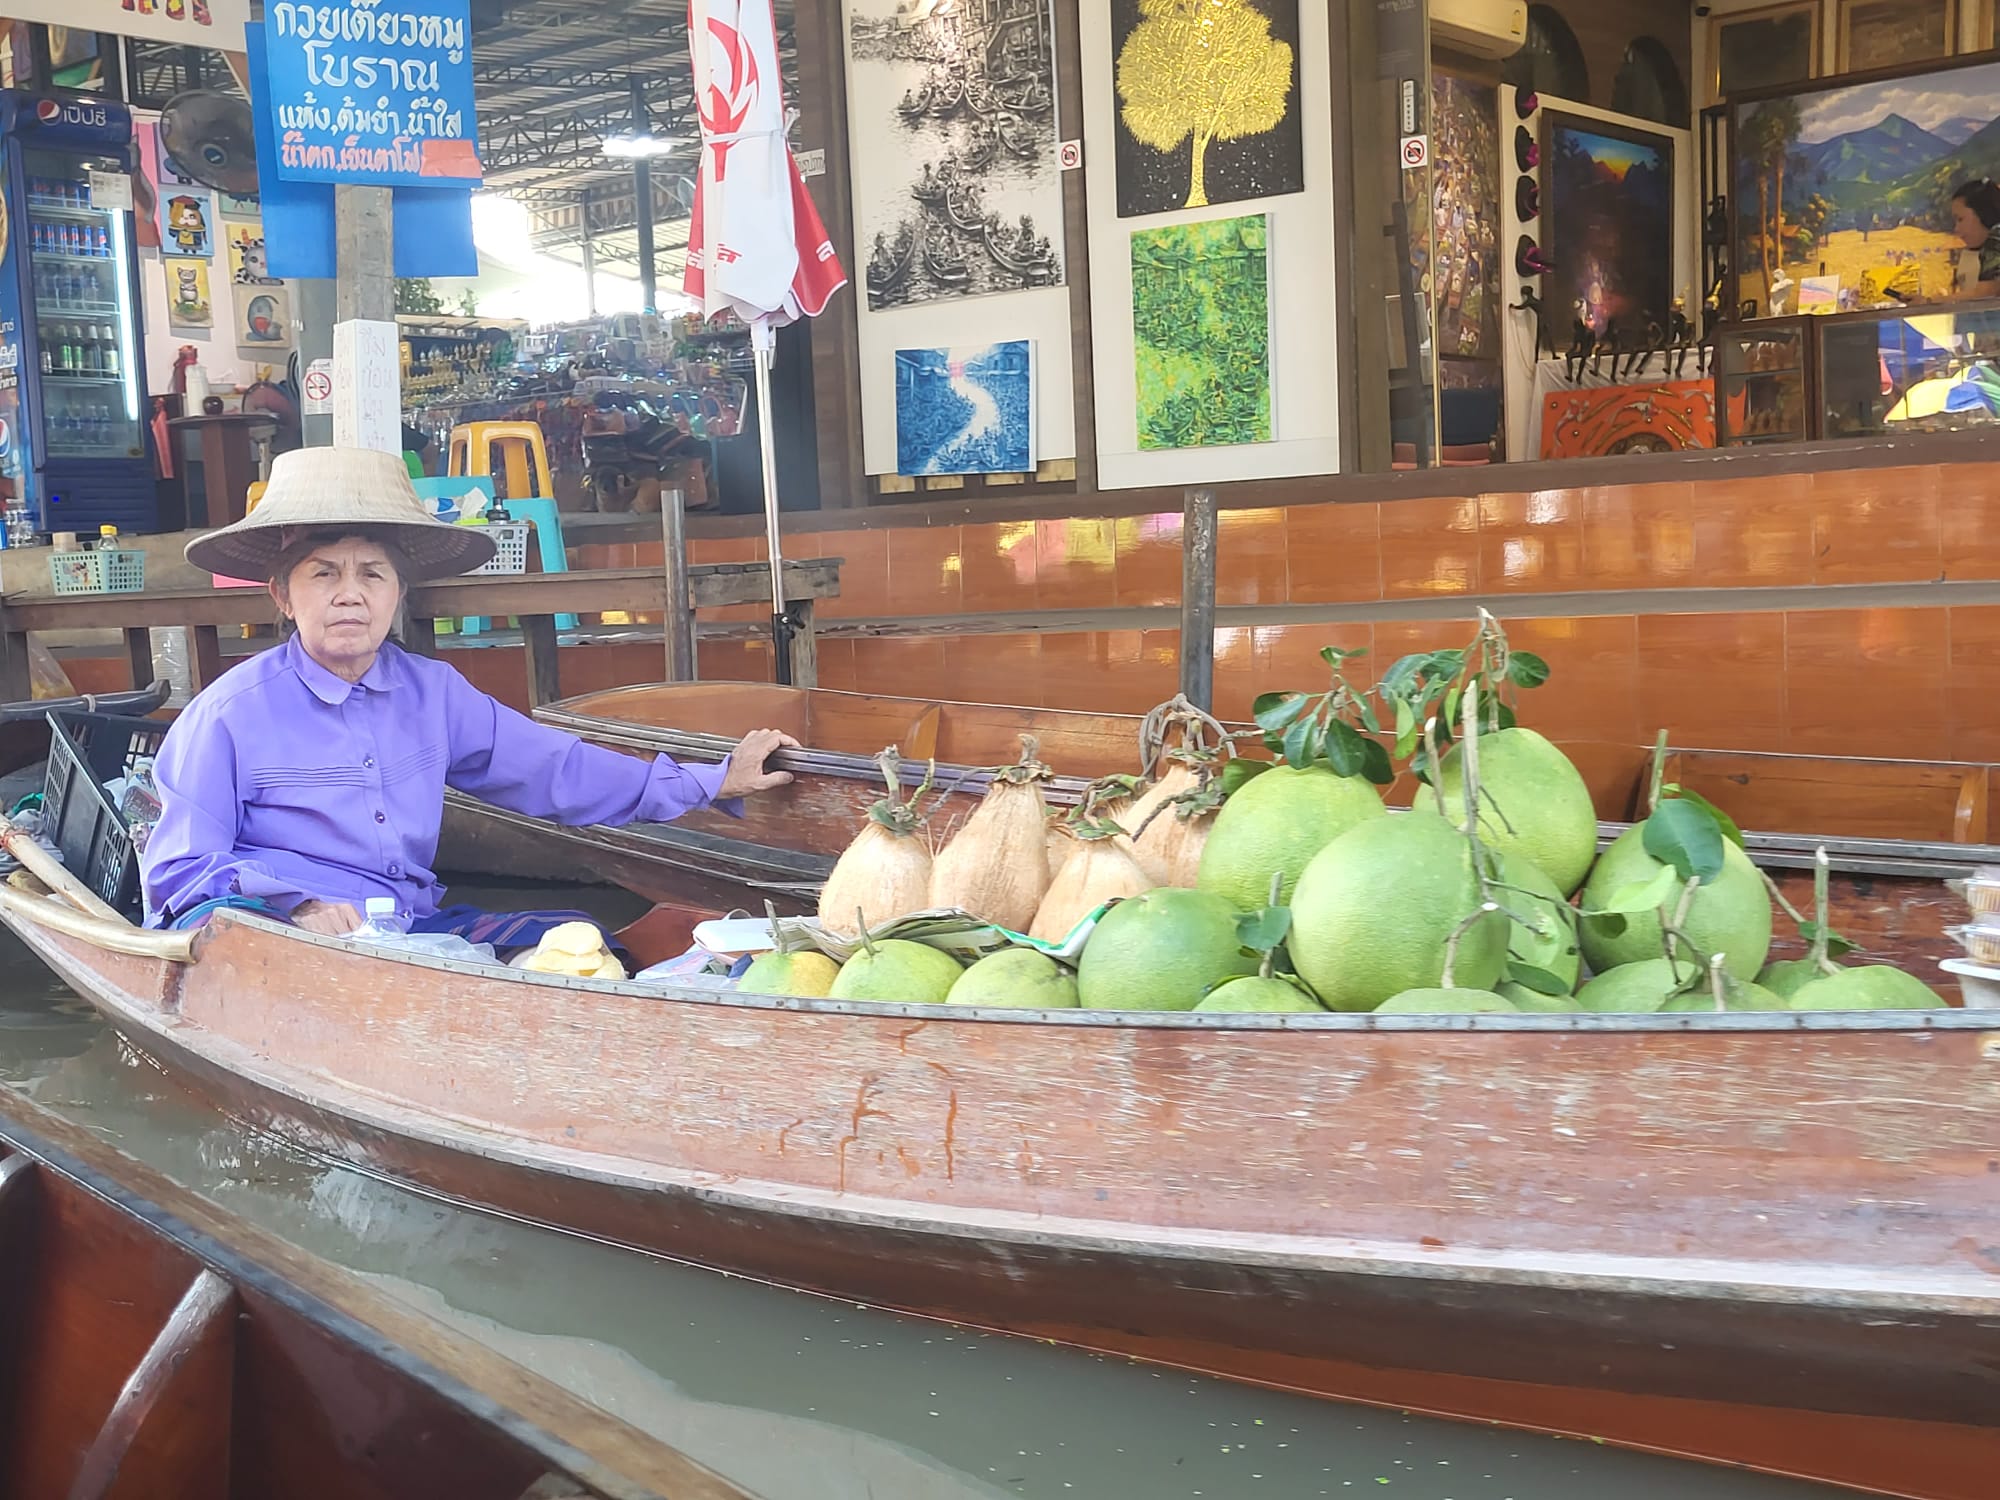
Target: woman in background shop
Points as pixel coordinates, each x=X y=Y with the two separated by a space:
x=1975 y=219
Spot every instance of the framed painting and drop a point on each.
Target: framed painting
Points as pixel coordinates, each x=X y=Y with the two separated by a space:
x=1201 y=326
x=1856 y=178
x=1763 y=49
x=966 y=409
x=1608 y=223
x=1895 y=33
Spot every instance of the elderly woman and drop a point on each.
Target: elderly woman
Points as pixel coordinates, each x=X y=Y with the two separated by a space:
x=312 y=777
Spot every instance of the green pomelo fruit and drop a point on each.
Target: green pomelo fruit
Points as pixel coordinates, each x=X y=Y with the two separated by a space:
x=898 y=973
x=1788 y=976
x=1739 y=995
x=1376 y=907
x=1870 y=987
x=1533 y=803
x=1162 y=951
x=1730 y=915
x=1445 y=1003
x=1258 y=996
x=804 y=975
x=1532 y=1003
x=1556 y=950
x=1276 y=823
x=1016 y=979
x=1639 y=988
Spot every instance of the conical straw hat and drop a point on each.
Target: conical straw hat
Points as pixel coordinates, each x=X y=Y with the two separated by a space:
x=328 y=489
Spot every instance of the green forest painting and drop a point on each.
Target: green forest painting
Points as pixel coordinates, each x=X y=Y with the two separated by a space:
x=1201 y=324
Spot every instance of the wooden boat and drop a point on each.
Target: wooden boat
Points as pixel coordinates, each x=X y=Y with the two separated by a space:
x=1895 y=830
x=158 y=1347
x=1762 y=1240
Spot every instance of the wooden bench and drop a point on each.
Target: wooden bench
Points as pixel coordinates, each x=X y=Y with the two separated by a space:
x=1929 y=801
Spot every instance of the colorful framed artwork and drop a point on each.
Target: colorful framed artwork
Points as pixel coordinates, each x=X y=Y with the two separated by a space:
x=263 y=318
x=1763 y=49
x=966 y=410
x=189 y=305
x=1895 y=33
x=1856 y=178
x=1608 y=220
x=1201 y=327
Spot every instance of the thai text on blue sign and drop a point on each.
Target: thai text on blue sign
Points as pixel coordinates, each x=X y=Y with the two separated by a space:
x=373 y=93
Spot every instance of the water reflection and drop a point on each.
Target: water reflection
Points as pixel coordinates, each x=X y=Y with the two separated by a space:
x=798 y=1397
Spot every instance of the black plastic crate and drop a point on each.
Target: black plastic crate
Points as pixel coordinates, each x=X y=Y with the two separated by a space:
x=79 y=817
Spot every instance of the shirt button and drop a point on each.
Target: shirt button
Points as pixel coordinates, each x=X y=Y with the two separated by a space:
x=395 y=869
x=381 y=817
x=369 y=762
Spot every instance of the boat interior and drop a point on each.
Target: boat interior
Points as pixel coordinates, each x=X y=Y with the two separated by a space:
x=155 y=1347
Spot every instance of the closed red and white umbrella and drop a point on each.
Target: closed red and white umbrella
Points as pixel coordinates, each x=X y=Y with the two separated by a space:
x=756 y=245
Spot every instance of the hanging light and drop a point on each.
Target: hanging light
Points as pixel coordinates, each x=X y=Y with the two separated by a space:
x=641 y=144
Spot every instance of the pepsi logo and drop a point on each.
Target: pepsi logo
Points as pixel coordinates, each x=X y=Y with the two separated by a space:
x=47 y=110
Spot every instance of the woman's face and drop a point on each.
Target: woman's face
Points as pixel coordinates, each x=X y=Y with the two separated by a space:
x=1965 y=224
x=343 y=599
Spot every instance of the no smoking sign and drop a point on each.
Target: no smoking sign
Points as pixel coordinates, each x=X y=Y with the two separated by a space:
x=317 y=388
x=1416 y=152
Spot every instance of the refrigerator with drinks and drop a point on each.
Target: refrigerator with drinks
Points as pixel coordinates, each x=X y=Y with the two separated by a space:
x=72 y=376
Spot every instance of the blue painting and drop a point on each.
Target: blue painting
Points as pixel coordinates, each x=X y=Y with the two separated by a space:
x=966 y=410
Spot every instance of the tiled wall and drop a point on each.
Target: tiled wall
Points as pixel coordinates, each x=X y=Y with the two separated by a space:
x=1921 y=682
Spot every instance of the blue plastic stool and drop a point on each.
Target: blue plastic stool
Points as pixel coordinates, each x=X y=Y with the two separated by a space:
x=555 y=558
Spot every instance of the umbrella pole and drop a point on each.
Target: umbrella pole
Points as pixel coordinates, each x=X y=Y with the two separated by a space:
x=763 y=343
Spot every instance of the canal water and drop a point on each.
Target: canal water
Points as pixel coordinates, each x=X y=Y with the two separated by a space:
x=797 y=1397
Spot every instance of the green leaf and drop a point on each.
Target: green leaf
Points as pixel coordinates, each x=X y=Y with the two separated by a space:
x=1610 y=924
x=1239 y=773
x=1333 y=656
x=1261 y=931
x=1407 y=733
x=1722 y=819
x=1527 y=670
x=1541 y=981
x=1345 y=750
x=1375 y=763
x=1402 y=677
x=1836 y=945
x=1645 y=896
x=1454 y=706
x=1684 y=834
x=1302 y=743
x=1369 y=721
x=1274 y=711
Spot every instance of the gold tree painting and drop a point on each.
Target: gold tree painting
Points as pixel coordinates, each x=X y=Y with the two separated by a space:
x=1208 y=102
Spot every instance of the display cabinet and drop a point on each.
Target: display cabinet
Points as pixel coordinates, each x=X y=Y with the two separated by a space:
x=1920 y=369
x=1763 y=382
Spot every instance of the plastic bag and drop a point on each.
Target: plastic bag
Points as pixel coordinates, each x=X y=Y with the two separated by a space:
x=46 y=678
x=437 y=945
x=170 y=662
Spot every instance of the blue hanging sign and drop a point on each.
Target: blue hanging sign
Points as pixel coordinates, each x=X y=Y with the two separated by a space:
x=366 y=93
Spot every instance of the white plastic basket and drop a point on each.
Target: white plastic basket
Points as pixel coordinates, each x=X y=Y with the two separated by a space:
x=510 y=541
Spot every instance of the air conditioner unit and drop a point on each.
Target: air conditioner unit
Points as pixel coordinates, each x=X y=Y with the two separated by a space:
x=1482 y=28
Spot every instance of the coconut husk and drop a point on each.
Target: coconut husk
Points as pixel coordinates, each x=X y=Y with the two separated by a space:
x=885 y=874
x=1170 y=834
x=1099 y=871
x=997 y=866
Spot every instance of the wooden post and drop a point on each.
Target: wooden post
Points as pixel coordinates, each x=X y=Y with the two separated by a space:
x=538 y=638
x=805 y=648
x=1198 y=550
x=16 y=683
x=678 y=618
x=139 y=652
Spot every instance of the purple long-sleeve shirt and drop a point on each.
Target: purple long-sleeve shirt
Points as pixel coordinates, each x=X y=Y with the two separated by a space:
x=285 y=783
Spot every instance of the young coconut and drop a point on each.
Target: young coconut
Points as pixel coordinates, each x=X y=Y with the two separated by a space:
x=997 y=866
x=1100 y=870
x=886 y=872
x=1171 y=819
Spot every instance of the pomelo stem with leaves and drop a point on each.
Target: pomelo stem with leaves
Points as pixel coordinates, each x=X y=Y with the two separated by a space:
x=1822 y=912
x=1670 y=926
x=1270 y=963
x=861 y=925
x=1486 y=909
x=1718 y=982
x=778 y=938
x=1658 y=775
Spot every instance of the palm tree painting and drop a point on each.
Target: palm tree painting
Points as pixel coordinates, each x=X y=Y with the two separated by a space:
x=1208 y=102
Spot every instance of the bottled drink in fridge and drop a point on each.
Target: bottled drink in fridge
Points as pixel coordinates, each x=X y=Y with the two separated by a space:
x=111 y=361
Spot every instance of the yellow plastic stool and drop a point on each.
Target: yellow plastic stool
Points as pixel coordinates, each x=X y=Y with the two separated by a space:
x=524 y=456
x=253 y=495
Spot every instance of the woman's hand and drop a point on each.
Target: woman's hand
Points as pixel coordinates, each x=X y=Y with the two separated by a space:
x=746 y=773
x=328 y=918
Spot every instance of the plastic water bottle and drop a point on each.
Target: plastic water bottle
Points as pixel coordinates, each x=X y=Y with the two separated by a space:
x=382 y=924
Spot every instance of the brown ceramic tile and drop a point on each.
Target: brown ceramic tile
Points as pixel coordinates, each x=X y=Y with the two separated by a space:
x=1592 y=692
x=1288 y=656
x=864 y=574
x=1236 y=675
x=1334 y=553
x=900 y=666
x=994 y=669
x=1076 y=665
x=1250 y=557
x=1638 y=536
x=1876 y=525
x=997 y=566
x=1753 y=532
x=1868 y=682
x=1075 y=563
x=1149 y=675
x=1969 y=520
x=836 y=664
x=1530 y=542
x=1149 y=559
x=1974 y=699
x=1713 y=682
x=924 y=570
x=734 y=661
x=1429 y=546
